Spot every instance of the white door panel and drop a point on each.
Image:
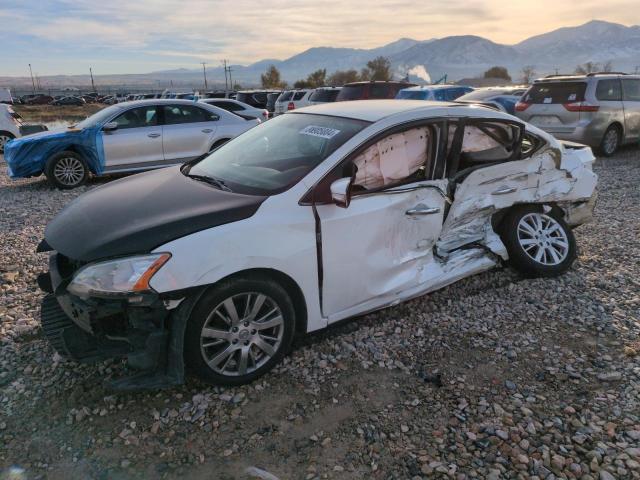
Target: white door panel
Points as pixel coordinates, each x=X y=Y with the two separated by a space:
x=187 y=140
x=132 y=146
x=379 y=245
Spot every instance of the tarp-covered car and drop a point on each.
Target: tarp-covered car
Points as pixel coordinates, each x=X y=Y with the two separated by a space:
x=126 y=137
x=318 y=215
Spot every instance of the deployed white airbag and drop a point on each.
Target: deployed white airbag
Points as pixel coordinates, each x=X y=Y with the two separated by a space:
x=392 y=159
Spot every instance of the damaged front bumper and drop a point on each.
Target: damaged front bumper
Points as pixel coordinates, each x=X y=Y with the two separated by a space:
x=145 y=329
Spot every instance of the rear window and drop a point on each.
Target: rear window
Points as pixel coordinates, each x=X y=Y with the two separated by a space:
x=285 y=96
x=631 y=89
x=556 y=92
x=299 y=95
x=412 y=95
x=379 y=91
x=609 y=90
x=324 y=95
x=351 y=92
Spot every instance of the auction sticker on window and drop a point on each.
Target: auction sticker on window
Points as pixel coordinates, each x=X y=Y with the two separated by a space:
x=322 y=132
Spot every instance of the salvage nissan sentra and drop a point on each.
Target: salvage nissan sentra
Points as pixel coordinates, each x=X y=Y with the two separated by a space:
x=318 y=215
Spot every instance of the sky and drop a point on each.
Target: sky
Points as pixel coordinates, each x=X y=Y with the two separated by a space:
x=140 y=36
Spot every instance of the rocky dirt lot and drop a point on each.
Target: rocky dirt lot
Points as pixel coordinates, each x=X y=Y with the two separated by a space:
x=494 y=377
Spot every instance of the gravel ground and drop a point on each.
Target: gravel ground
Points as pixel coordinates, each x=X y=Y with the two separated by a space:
x=493 y=377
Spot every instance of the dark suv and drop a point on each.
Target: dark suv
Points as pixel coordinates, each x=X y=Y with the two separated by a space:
x=601 y=110
x=255 y=98
x=374 y=90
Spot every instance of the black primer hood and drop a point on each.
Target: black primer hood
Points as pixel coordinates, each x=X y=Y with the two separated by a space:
x=139 y=213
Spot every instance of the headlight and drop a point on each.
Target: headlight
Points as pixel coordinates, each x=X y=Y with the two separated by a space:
x=124 y=275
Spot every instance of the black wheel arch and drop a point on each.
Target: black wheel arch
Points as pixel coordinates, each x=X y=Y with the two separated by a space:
x=7 y=133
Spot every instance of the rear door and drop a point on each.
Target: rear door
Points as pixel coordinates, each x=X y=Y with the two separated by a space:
x=631 y=99
x=552 y=106
x=610 y=109
x=136 y=143
x=188 y=131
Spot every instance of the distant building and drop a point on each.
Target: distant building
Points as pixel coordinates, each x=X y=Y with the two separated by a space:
x=484 y=82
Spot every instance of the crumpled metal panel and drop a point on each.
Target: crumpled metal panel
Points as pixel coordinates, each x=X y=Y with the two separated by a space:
x=549 y=176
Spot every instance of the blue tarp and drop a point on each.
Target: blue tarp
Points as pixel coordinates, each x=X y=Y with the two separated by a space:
x=27 y=156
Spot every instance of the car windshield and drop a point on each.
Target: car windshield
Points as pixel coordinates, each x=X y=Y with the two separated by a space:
x=412 y=95
x=98 y=117
x=274 y=156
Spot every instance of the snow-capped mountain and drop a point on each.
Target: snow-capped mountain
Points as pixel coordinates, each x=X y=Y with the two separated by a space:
x=455 y=56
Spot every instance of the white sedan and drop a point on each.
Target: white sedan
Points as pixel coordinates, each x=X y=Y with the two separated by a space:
x=127 y=137
x=239 y=108
x=321 y=214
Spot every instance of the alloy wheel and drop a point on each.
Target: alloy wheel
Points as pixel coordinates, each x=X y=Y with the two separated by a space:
x=69 y=171
x=543 y=239
x=610 y=143
x=241 y=334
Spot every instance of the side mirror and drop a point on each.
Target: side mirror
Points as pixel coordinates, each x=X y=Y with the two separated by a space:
x=110 y=127
x=341 y=192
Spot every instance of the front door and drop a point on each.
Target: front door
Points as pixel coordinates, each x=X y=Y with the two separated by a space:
x=379 y=246
x=137 y=141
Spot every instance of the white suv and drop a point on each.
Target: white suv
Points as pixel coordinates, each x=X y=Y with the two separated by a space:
x=12 y=126
x=292 y=99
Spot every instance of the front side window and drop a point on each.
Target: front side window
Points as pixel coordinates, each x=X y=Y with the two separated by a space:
x=631 y=89
x=609 y=90
x=138 y=118
x=275 y=155
x=177 y=114
x=397 y=158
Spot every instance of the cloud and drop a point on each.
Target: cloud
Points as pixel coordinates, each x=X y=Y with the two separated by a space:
x=145 y=32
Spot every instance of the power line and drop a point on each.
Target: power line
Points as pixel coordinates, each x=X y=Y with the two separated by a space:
x=33 y=83
x=204 y=73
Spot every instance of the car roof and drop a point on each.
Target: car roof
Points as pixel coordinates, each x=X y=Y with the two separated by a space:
x=376 y=110
x=434 y=87
x=158 y=101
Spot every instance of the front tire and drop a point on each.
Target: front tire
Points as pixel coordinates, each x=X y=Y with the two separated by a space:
x=66 y=170
x=239 y=330
x=540 y=244
x=610 y=141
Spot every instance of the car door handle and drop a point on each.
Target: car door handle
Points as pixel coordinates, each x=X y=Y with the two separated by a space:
x=153 y=135
x=504 y=191
x=422 y=210
x=207 y=130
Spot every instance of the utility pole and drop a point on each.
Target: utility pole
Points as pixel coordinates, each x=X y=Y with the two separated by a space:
x=230 y=80
x=637 y=69
x=33 y=83
x=204 y=72
x=92 y=84
x=226 y=85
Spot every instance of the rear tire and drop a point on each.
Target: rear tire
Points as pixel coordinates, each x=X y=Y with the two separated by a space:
x=4 y=138
x=610 y=141
x=239 y=330
x=66 y=170
x=540 y=244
